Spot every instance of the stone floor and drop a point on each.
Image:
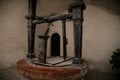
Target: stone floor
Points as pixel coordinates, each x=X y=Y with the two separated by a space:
x=12 y=74
x=9 y=74
x=94 y=75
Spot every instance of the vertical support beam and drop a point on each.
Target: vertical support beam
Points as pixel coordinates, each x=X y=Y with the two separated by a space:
x=31 y=28
x=77 y=10
x=64 y=39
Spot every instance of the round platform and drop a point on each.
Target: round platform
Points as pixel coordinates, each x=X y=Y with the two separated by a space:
x=37 y=72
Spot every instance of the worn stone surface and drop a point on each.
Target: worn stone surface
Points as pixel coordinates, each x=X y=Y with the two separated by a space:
x=33 y=71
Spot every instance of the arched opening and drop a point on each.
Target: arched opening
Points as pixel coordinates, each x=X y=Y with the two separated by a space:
x=55 y=44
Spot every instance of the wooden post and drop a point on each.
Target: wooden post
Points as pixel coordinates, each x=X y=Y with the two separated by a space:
x=31 y=28
x=77 y=10
x=64 y=39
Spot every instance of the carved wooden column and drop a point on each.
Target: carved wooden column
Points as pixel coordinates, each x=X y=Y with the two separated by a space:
x=77 y=10
x=31 y=28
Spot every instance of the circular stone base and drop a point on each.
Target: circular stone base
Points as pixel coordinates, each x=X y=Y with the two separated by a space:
x=37 y=72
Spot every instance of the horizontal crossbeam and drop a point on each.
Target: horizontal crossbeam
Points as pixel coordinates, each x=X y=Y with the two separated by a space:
x=50 y=19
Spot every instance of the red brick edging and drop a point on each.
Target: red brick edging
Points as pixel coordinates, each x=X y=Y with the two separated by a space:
x=30 y=70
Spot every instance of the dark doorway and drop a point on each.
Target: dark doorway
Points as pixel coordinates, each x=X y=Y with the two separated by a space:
x=55 y=45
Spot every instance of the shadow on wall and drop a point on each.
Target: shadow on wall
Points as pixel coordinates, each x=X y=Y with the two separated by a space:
x=112 y=6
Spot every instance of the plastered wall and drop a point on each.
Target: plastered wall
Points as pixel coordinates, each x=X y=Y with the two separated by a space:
x=101 y=36
x=13 y=33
